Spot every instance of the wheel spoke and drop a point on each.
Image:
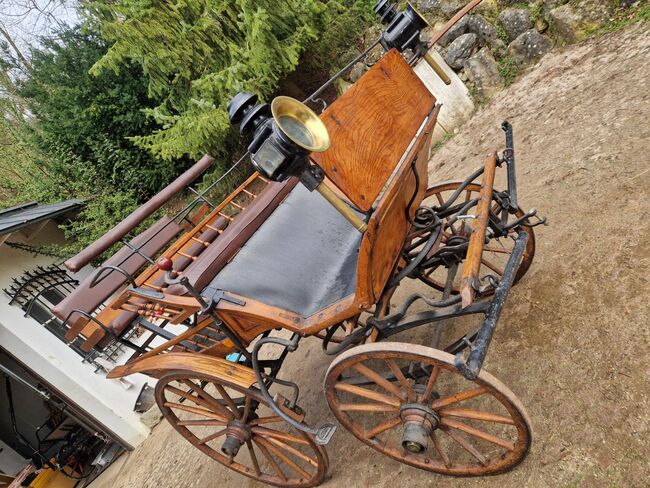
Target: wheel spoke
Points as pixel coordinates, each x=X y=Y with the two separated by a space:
x=292 y=450
x=373 y=376
x=476 y=415
x=410 y=394
x=211 y=437
x=247 y=409
x=270 y=459
x=208 y=398
x=229 y=401
x=251 y=452
x=493 y=267
x=367 y=407
x=283 y=457
x=188 y=396
x=264 y=432
x=462 y=442
x=497 y=250
x=458 y=397
x=265 y=420
x=435 y=371
x=365 y=393
x=443 y=455
x=383 y=427
x=198 y=411
x=468 y=429
x=215 y=423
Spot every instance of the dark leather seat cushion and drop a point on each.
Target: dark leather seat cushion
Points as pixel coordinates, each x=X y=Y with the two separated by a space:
x=303 y=258
x=214 y=258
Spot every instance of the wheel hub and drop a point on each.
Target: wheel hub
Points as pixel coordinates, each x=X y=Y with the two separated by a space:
x=237 y=434
x=419 y=422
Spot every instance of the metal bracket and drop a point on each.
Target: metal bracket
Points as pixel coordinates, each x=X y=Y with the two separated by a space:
x=325 y=434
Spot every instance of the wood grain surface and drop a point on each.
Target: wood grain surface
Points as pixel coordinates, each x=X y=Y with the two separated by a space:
x=371 y=125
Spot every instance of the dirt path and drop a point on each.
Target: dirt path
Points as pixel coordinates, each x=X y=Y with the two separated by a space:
x=573 y=343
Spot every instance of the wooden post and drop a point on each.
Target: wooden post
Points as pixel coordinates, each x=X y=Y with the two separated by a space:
x=478 y=227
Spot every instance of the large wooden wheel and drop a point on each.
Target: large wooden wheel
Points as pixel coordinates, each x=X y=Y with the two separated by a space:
x=442 y=423
x=495 y=253
x=235 y=426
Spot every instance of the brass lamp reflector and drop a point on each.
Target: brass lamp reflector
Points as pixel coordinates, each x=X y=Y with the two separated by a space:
x=300 y=124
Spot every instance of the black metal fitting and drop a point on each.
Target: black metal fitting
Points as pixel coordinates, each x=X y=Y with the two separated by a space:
x=312 y=177
x=471 y=368
x=403 y=30
x=386 y=10
x=509 y=157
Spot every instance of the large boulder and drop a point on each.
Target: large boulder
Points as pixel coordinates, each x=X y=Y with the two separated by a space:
x=483 y=72
x=529 y=47
x=573 y=21
x=427 y=6
x=565 y=21
x=515 y=22
x=460 y=50
x=454 y=33
x=486 y=33
x=450 y=7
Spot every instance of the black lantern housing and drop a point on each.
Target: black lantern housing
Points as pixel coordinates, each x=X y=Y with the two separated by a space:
x=404 y=28
x=386 y=11
x=283 y=134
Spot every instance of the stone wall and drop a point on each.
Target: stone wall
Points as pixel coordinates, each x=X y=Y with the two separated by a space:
x=490 y=46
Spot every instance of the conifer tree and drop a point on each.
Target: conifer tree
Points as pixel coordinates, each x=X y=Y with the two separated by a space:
x=198 y=53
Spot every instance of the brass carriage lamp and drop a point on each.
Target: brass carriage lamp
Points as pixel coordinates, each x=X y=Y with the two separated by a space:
x=284 y=135
x=403 y=30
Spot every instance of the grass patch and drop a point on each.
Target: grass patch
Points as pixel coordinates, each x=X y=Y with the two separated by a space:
x=624 y=17
x=440 y=144
x=508 y=70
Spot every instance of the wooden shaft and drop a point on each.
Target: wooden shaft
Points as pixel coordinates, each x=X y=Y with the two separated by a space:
x=461 y=13
x=342 y=207
x=438 y=69
x=477 y=237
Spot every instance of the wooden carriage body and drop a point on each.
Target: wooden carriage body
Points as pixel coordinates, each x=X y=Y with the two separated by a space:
x=209 y=286
x=287 y=259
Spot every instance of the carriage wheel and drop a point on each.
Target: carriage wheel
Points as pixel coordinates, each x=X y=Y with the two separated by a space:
x=235 y=426
x=495 y=253
x=442 y=423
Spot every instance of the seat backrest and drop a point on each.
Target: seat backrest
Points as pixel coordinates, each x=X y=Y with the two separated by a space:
x=371 y=126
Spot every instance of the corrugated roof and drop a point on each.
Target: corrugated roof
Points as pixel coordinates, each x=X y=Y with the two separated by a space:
x=14 y=218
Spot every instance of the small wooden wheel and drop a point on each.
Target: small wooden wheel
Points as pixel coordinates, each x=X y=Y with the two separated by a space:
x=235 y=426
x=495 y=253
x=442 y=422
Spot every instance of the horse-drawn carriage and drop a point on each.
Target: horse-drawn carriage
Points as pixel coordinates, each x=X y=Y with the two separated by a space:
x=322 y=241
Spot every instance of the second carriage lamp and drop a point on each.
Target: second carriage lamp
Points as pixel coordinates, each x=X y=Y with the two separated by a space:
x=403 y=31
x=284 y=134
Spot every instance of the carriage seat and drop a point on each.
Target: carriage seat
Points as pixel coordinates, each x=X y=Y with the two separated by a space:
x=303 y=258
x=88 y=299
x=205 y=262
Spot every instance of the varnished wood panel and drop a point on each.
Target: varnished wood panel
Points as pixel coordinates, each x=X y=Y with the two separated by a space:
x=371 y=125
x=388 y=227
x=197 y=363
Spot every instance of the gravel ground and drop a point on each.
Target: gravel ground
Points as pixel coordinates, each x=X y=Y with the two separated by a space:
x=573 y=340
